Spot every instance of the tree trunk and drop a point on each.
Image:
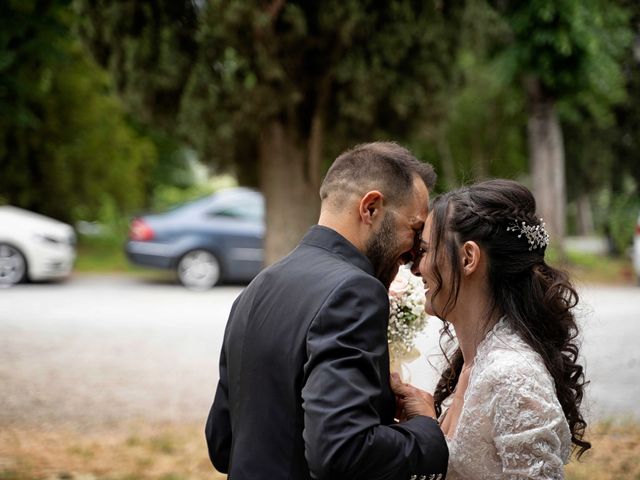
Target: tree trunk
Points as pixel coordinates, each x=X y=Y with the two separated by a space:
x=584 y=215
x=546 y=152
x=290 y=184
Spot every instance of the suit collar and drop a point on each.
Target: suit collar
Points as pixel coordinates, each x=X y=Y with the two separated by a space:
x=330 y=240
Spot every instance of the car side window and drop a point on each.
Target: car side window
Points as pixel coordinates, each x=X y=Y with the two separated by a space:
x=241 y=212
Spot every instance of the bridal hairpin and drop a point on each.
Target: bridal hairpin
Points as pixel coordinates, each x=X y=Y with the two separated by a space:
x=536 y=235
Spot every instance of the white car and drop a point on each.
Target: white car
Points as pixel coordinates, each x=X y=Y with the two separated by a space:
x=636 y=249
x=34 y=247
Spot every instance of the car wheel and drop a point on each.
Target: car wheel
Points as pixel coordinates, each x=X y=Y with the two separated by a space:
x=13 y=266
x=199 y=270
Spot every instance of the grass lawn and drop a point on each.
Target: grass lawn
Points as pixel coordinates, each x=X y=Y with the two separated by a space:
x=98 y=256
x=178 y=452
x=594 y=268
x=101 y=258
x=591 y=268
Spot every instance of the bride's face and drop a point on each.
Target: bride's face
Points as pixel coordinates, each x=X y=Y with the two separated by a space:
x=435 y=272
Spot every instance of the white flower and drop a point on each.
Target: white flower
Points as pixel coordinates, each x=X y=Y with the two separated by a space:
x=401 y=283
x=407 y=317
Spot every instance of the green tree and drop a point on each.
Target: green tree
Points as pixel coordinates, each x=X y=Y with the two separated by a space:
x=481 y=134
x=149 y=49
x=66 y=146
x=626 y=133
x=561 y=51
x=603 y=154
x=279 y=88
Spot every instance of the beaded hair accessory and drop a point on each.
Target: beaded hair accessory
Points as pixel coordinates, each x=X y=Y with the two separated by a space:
x=536 y=235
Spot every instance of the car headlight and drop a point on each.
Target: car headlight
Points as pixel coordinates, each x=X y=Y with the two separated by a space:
x=44 y=238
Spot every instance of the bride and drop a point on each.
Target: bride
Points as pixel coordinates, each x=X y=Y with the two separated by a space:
x=509 y=401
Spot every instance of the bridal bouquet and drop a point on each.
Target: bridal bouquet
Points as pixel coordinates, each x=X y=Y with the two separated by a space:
x=407 y=317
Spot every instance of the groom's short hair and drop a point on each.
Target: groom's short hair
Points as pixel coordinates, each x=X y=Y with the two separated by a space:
x=383 y=166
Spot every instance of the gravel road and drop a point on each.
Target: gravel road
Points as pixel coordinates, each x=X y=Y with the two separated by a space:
x=98 y=351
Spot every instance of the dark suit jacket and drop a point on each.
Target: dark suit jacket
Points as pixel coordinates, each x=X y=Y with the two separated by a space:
x=304 y=376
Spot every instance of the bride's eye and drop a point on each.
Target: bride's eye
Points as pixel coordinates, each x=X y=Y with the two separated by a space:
x=424 y=249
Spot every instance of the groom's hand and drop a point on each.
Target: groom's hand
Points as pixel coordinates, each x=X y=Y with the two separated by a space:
x=411 y=401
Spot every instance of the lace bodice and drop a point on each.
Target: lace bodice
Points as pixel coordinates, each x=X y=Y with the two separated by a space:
x=511 y=425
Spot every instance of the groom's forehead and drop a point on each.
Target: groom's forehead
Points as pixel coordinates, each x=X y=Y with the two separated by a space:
x=416 y=213
x=413 y=218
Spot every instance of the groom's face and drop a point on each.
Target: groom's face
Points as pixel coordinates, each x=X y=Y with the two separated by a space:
x=393 y=243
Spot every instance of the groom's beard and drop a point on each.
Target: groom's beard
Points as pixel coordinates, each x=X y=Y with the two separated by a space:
x=381 y=250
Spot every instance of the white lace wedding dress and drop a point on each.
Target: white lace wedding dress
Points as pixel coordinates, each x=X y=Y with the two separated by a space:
x=511 y=425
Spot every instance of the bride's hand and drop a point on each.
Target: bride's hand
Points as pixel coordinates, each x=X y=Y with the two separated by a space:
x=411 y=401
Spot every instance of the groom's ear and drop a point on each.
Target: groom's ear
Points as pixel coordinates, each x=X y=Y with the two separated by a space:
x=370 y=207
x=470 y=257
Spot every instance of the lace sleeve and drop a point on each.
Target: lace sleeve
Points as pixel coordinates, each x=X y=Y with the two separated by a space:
x=529 y=427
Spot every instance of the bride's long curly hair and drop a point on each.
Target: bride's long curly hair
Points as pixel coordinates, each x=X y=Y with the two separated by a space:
x=535 y=298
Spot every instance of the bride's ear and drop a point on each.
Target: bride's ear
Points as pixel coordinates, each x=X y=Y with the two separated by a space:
x=470 y=256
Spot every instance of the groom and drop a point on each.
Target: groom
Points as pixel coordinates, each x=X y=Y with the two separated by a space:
x=304 y=388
